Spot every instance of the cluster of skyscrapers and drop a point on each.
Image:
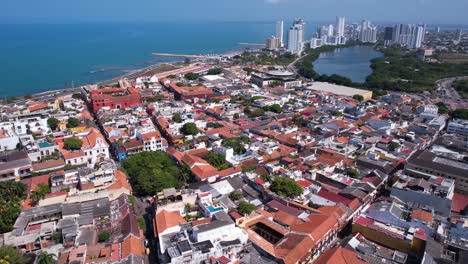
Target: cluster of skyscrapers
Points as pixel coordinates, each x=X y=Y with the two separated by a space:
x=411 y=36
x=330 y=34
x=407 y=35
x=295 y=37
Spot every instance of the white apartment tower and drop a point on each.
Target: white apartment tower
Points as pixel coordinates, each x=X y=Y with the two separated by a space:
x=340 y=26
x=368 y=33
x=279 y=32
x=296 y=36
x=340 y=30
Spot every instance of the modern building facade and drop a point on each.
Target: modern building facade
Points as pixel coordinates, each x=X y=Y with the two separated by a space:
x=368 y=32
x=296 y=36
x=409 y=35
x=340 y=30
x=280 y=32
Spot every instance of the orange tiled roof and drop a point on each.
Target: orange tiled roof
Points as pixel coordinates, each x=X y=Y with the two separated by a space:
x=339 y=255
x=121 y=182
x=422 y=215
x=150 y=135
x=132 y=246
x=166 y=219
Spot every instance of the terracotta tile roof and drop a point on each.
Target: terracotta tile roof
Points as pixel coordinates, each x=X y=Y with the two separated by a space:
x=422 y=215
x=339 y=255
x=459 y=202
x=265 y=213
x=132 y=246
x=49 y=164
x=122 y=182
x=304 y=183
x=150 y=135
x=166 y=219
x=230 y=171
x=201 y=222
x=202 y=169
x=286 y=219
x=37 y=106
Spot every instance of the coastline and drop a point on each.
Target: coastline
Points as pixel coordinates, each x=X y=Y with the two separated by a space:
x=130 y=75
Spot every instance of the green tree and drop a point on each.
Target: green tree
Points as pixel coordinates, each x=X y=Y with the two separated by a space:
x=460 y=114
x=141 y=223
x=443 y=109
x=358 y=97
x=236 y=116
x=189 y=129
x=76 y=96
x=352 y=172
x=11 y=255
x=191 y=76
x=286 y=187
x=73 y=122
x=249 y=70
x=150 y=172
x=216 y=160
x=103 y=236
x=172 y=76
x=274 y=84
x=53 y=123
x=237 y=144
x=275 y=108
x=215 y=71
x=392 y=146
x=246 y=208
x=40 y=192
x=72 y=143
x=236 y=195
x=46 y=258
x=176 y=118
x=11 y=195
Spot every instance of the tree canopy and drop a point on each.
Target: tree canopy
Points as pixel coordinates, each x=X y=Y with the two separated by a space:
x=236 y=143
x=275 y=108
x=460 y=113
x=11 y=255
x=189 y=129
x=103 y=236
x=191 y=76
x=46 y=258
x=176 y=118
x=73 y=122
x=236 y=195
x=53 y=123
x=462 y=87
x=358 y=97
x=40 y=192
x=246 y=208
x=352 y=172
x=286 y=187
x=150 y=172
x=215 y=71
x=72 y=143
x=11 y=195
x=216 y=160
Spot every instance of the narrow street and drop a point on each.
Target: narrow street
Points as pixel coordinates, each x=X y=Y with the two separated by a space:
x=146 y=210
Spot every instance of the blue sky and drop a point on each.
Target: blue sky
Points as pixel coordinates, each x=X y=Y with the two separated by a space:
x=428 y=11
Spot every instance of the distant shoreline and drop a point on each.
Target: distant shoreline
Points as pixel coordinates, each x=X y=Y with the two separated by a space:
x=130 y=75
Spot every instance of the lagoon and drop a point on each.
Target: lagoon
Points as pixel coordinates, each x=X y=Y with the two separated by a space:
x=352 y=62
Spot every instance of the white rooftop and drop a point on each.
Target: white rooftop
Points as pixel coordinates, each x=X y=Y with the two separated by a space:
x=335 y=89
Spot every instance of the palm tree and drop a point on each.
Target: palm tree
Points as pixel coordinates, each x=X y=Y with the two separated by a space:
x=46 y=258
